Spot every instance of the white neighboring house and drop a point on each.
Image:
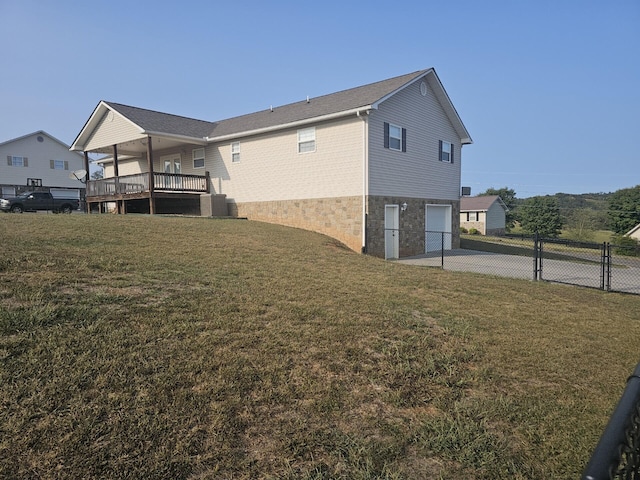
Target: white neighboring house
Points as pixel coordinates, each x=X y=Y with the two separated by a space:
x=487 y=214
x=39 y=161
x=634 y=232
x=376 y=166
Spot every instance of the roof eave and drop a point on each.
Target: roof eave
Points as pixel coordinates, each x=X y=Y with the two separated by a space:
x=173 y=136
x=297 y=123
x=80 y=141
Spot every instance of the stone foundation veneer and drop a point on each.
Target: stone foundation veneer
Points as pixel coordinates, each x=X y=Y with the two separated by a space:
x=341 y=218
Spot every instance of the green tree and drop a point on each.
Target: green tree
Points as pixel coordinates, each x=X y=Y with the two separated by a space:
x=624 y=209
x=581 y=224
x=540 y=214
x=508 y=196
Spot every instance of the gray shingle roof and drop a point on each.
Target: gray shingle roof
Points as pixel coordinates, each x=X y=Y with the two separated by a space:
x=478 y=204
x=316 y=107
x=158 y=122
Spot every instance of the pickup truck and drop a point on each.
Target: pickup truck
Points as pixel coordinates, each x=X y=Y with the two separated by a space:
x=32 y=201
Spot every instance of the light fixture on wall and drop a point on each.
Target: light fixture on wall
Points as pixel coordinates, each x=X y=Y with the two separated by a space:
x=403 y=206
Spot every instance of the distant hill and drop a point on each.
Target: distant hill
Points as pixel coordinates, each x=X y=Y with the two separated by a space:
x=572 y=201
x=596 y=204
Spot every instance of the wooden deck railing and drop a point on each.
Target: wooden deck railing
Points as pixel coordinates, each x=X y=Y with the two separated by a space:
x=139 y=182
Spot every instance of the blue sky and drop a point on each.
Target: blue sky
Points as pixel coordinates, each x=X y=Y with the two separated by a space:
x=548 y=89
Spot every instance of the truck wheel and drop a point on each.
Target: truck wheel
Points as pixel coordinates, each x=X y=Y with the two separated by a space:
x=17 y=209
x=66 y=209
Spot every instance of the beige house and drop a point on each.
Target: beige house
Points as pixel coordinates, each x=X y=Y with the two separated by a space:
x=39 y=161
x=634 y=232
x=375 y=167
x=487 y=214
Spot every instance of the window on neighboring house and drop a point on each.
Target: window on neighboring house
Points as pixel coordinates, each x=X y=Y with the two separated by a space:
x=235 y=152
x=446 y=152
x=59 y=165
x=198 y=158
x=395 y=138
x=307 y=140
x=472 y=216
x=17 y=161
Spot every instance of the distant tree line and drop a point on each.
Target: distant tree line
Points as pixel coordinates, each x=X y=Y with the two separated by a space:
x=576 y=216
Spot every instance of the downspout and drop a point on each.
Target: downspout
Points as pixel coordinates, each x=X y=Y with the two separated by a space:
x=365 y=171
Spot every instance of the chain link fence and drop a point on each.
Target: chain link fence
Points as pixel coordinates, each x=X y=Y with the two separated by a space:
x=603 y=266
x=617 y=455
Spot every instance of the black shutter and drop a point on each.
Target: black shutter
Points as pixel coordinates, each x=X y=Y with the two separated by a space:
x=386 y=135
x=404 y=139
x=452 y=153
x=9 y=160
x=439 y=150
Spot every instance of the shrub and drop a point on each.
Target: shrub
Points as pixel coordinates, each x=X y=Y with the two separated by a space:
x=623 y=245
x=463 y=230
x=474 y=231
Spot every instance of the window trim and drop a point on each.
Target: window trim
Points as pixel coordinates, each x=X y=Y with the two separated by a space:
x=59 y=164
x=402 y=138
x=24 y=161
x=395 y=136
x=235 y=152
x=195 y=156
x=450 y=157
x=306 y=142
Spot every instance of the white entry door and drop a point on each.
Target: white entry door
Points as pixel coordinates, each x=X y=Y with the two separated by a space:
x=172 y=164
x=391 y=231
x=437 y=228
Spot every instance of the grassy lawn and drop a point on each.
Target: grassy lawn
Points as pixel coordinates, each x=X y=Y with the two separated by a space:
x=148 y=347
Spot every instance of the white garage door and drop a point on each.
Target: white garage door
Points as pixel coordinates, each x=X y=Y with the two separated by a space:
x=437 y=227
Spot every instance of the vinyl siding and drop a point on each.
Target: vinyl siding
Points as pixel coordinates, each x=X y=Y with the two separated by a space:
x=495 y=217
x=128 y=167
x=418 y=173
x=110 y=132
x=271 y=169
x=139 y=165
x=40 y=155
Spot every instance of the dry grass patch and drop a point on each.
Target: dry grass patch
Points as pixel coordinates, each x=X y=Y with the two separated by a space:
x=148 y=347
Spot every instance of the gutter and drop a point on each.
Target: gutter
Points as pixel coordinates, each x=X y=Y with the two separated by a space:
x=297 y=123
x=197 y=140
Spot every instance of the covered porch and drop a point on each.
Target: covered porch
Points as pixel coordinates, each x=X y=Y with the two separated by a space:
x=151 y=160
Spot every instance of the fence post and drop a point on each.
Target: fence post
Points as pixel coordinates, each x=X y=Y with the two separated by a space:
x=603 y=254
x=608 y=267
x=540 y=257
x=535 y=256
x=442 y=251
